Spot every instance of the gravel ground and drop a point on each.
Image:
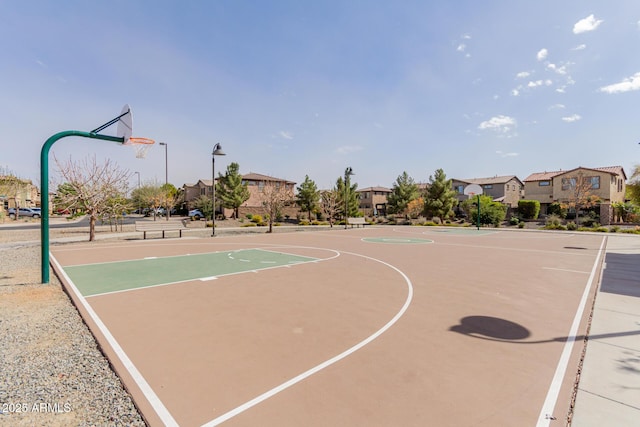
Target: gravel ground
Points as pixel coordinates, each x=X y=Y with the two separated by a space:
x=52 y=371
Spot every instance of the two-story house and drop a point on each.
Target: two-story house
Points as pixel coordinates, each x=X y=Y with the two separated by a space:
x=608 y=184
x=506 y=189
x=255 y=183
x=373 y=200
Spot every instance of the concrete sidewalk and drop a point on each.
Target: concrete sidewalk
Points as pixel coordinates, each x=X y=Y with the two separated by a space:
x=609 y=389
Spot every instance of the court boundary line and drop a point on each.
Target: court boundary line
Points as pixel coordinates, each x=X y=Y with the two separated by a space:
x=544 y=418
x=153 y=399
x=300 y=377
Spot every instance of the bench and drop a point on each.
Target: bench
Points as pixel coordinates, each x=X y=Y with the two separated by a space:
x=358 y=221
x=160 y=225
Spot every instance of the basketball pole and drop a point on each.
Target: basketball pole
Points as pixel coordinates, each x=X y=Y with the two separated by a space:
x=44 y=188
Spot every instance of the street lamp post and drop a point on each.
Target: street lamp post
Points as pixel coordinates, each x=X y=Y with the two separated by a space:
x=166 y=163
x=217 y=151
x=347 y=173
x=139 y=207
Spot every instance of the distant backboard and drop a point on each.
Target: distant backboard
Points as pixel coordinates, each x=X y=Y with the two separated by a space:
x=472 y=190
x=125 y=124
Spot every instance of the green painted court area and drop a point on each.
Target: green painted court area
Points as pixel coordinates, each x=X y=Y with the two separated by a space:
x=95 y=279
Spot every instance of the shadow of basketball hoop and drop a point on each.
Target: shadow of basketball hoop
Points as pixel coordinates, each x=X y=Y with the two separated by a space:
x=501 y=330
x=491 y=327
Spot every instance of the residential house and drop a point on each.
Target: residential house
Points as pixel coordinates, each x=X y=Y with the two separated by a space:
x=606 y=183
x=506 y=189
x=255 y=183
x=373 y=200
x=16 y=192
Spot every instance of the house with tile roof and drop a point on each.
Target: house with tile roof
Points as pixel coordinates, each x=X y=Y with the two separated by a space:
x=607 y=183
x=255 y=183
x=507 y=189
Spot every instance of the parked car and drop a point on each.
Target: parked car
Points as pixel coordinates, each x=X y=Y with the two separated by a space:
x=26 y=212
x=195 y=214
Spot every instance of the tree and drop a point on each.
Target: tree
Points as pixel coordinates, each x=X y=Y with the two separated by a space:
x=92 y=186
x=150 y=196
x=440 y=198
x=231 y=190
x=308 y=196
x=415 y=207
x=352 y=204
x=633 y=186
x=11 y=186
x=330 y=204
x=169 y=194
x=275 y=196
x=580 y=193
x=490 y=212
x=403 y=191
x=204 y=204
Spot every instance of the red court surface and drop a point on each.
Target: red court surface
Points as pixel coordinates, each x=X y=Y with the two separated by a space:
x=408 y=326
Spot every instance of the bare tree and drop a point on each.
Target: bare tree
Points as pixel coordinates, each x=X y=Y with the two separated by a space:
x=11 y=186
x=330 y=204
x=580 y=195
x=275 y=196
x=94 y=186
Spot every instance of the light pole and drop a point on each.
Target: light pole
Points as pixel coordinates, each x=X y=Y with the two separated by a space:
x=217 y=151
x=347 y=173
x=166 y=177
x=139 y=208
x=166 y=163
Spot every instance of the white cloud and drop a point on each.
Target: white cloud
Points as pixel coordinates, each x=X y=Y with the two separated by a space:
x=572 y=118
x=347 y=149
x=523 y=74
x=501 y=154
x=626 y=85
x=542 y=54
x=589 y=23
x=504 y=125
x=557 y=107
x=466 y=36
x=285 y=134
x=515 y=92
x=461 y=47
x=540 y=83
x=560 y=70
x=580 y=47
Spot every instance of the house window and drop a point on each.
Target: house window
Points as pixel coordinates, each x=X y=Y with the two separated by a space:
x=460 y=189
x=595 y=182
x=619 y=186
x=488 y=186
x=544 y=183
x=261 y=185
x=568 y=183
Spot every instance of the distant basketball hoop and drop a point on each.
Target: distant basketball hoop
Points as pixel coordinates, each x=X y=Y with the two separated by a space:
x=472 y=190
x=141 y=145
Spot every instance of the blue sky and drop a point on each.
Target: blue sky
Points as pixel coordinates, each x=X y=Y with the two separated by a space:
x=295 y=88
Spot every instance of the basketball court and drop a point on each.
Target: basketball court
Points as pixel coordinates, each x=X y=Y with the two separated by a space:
x=383 y=326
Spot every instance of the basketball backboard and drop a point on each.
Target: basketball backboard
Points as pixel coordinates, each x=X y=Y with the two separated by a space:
x=125 y=124
x=472 y=190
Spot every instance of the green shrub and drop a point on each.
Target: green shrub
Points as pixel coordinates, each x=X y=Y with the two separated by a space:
x=557 y=209
x=601 y=229
x=521 y=224
x=529 y=209
x=572 y=226
x=437 y=220
x=635 y=230
x=249 y=216
x=249 y=224
x=614 y=229
x=256 y=218
x=429 y=223
x=303 y=222
x=514 y=220
x=590 y=222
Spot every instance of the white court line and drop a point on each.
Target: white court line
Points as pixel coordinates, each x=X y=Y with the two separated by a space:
x=266 y=395
x=567 y=270
x=546 y=412
x=154 y=400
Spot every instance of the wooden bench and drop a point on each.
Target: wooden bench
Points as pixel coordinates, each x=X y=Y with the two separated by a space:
x=160 y=225
x=358 y=221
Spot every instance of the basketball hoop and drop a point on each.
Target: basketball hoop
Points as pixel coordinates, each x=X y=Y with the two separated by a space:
x=141 y=145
